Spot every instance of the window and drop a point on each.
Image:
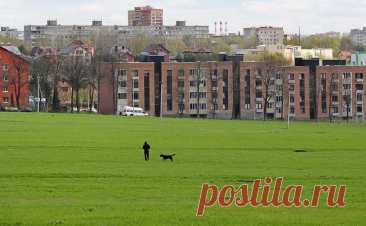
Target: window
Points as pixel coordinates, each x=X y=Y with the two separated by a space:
x=192 y=72
x=147 y=90
x=359 y=87
x=292 y=99
x=359 y=97
x=135 y=74
x=292 y=110
x=181 y=74
x=5 y=77
x=5 y=67
x=359 y=76
x=122 y=73
x=359 y=109
x=135 y=83
x=278 y=76
x=335 y=98
x=291 y=77
x=292 y=87
x=5 y=89
x=122 y=84
x=6 y=100
x=122 y=96
x=135 y=95
x=259 y=106
x=169 y=90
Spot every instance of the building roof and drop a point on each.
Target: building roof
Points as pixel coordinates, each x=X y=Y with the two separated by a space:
x=73 y=46
x=13 y=49
x=156 y=49
x=16 y=52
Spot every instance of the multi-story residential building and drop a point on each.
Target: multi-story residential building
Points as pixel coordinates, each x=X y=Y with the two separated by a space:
x=313 y=64
x=130 y=84
x=358 y=37
x=145 y=16
x=358 y=58
x=271 y=37
x=207 y=89
x=59 y=36
x=14 y=78
x=8 y=32
x=278 y=92
x=341 y=92
x=197 y=89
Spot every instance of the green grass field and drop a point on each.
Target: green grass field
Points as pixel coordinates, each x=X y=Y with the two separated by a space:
x=89 y=169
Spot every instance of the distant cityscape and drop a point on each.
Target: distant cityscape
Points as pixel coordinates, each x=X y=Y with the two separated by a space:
x=183 y=70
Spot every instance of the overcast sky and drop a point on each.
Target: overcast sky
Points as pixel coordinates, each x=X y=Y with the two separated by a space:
x=313 y=16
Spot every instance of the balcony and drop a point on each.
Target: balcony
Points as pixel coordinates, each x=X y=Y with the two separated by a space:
x=347 y=81
x=291 y=81
x=259 y=110
x=260 y=99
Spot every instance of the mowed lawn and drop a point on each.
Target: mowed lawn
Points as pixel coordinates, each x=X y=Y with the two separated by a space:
x=63 y=169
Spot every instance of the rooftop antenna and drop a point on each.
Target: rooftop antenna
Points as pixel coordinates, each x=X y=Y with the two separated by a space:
x=215 y=28
x=221 y=28
x=299 y=36
x=226 y=28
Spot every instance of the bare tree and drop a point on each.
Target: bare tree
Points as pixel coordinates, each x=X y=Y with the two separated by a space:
x=333 y=88
x=75 y=74
x=20 y=78
x=199 y=79
x=214 y=79
x=268 y=82
x=41 y=74
x=57 y=64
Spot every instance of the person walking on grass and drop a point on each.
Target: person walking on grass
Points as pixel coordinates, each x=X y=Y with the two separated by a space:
x=146 y=148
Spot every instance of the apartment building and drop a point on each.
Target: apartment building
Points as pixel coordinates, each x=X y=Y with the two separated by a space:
x=127 y=84
x=59 y=36
x=145 y=16
x=207 y=89
x=358 y=36
x=271 y=37
x=267 y=91
x=8 y=32
x=187 y=89
x=341 y=92
x=197 y=89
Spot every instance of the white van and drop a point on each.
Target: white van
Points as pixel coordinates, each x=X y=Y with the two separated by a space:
x=131 y=111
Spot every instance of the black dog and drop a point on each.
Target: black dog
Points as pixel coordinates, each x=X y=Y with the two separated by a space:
x=167 y=157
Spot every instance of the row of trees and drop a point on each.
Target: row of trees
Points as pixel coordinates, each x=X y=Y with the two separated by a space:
x=77 y=71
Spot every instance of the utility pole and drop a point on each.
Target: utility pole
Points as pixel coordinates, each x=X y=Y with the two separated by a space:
x=161 y=100
x=38 y=92
x=289 y=106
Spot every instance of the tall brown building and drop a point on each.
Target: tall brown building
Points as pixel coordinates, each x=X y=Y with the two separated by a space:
x=145 y=16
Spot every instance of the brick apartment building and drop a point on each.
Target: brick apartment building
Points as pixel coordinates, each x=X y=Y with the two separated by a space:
x=14 y=78
x=127 y=84
x=207 y=89
x=204 y=89
x=197 y=89
x=145 y=16
x=341 y=92
x=284 y=90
